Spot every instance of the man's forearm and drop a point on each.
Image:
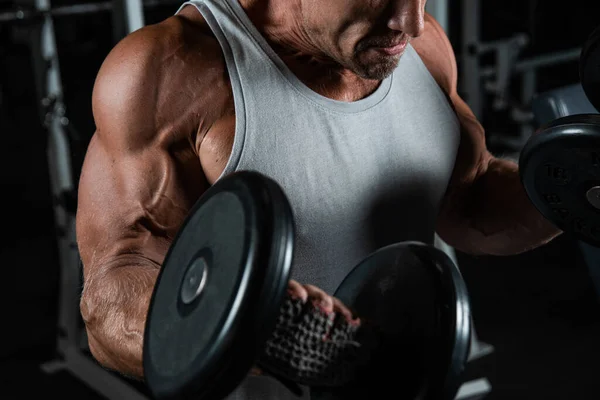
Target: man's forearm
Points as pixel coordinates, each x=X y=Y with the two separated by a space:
x=114 y=308
x=501 y=219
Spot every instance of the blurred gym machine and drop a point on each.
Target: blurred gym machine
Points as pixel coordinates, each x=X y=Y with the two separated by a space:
x=482 y=85
x=72 y=351
x=72 y=345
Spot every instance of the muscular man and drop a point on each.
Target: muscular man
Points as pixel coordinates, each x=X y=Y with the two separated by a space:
x=351 y=106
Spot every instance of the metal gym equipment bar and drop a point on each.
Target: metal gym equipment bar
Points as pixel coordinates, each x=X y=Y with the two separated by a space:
x=127 y=15
x=134 y=10
x=26 y=14
x=71 y=344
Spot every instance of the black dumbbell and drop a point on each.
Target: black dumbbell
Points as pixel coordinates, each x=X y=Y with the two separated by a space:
x=560 y=164
x=223 y=283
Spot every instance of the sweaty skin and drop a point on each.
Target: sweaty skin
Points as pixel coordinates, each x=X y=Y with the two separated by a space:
x=164 y=113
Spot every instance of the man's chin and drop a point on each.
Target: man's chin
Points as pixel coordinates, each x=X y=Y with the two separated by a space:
x=378 y=72
x=375 y=67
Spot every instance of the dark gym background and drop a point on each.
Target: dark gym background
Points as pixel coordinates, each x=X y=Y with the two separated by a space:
x=539 y=310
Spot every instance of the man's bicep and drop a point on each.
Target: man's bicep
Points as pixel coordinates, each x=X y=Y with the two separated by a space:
x=472 y=161
x=130 y=203
x=141 y=173
x=473 y=155
x=437 y=54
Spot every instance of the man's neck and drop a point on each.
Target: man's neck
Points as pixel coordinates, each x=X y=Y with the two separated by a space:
x=280 y=23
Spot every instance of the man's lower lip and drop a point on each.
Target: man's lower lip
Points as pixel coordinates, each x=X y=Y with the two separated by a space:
x=392 y=51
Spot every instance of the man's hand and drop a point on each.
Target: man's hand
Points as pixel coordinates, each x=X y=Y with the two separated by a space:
x=320 y=299
x=316 y=340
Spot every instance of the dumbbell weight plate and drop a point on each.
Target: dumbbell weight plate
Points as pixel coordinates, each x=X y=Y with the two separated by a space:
x=218 y=294
x=417 y=297
x=560 y=171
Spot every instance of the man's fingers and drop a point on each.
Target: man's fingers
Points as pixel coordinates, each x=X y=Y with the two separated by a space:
x=297 y=291
x=320 y=299
x=344 y=311
x=329 y=304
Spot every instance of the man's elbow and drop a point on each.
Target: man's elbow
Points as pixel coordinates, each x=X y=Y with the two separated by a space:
x=93 y=327
x=469 y=237
x=462 y=239
x=93 y=305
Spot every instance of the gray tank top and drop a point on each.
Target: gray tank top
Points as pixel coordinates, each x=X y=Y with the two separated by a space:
x=359 y=175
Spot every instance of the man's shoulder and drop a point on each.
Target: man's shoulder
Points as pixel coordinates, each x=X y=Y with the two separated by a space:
x=182 y=37
x=437 y=53
x=164 y=77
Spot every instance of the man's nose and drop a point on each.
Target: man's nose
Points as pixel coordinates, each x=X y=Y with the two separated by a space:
x=407 y=16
